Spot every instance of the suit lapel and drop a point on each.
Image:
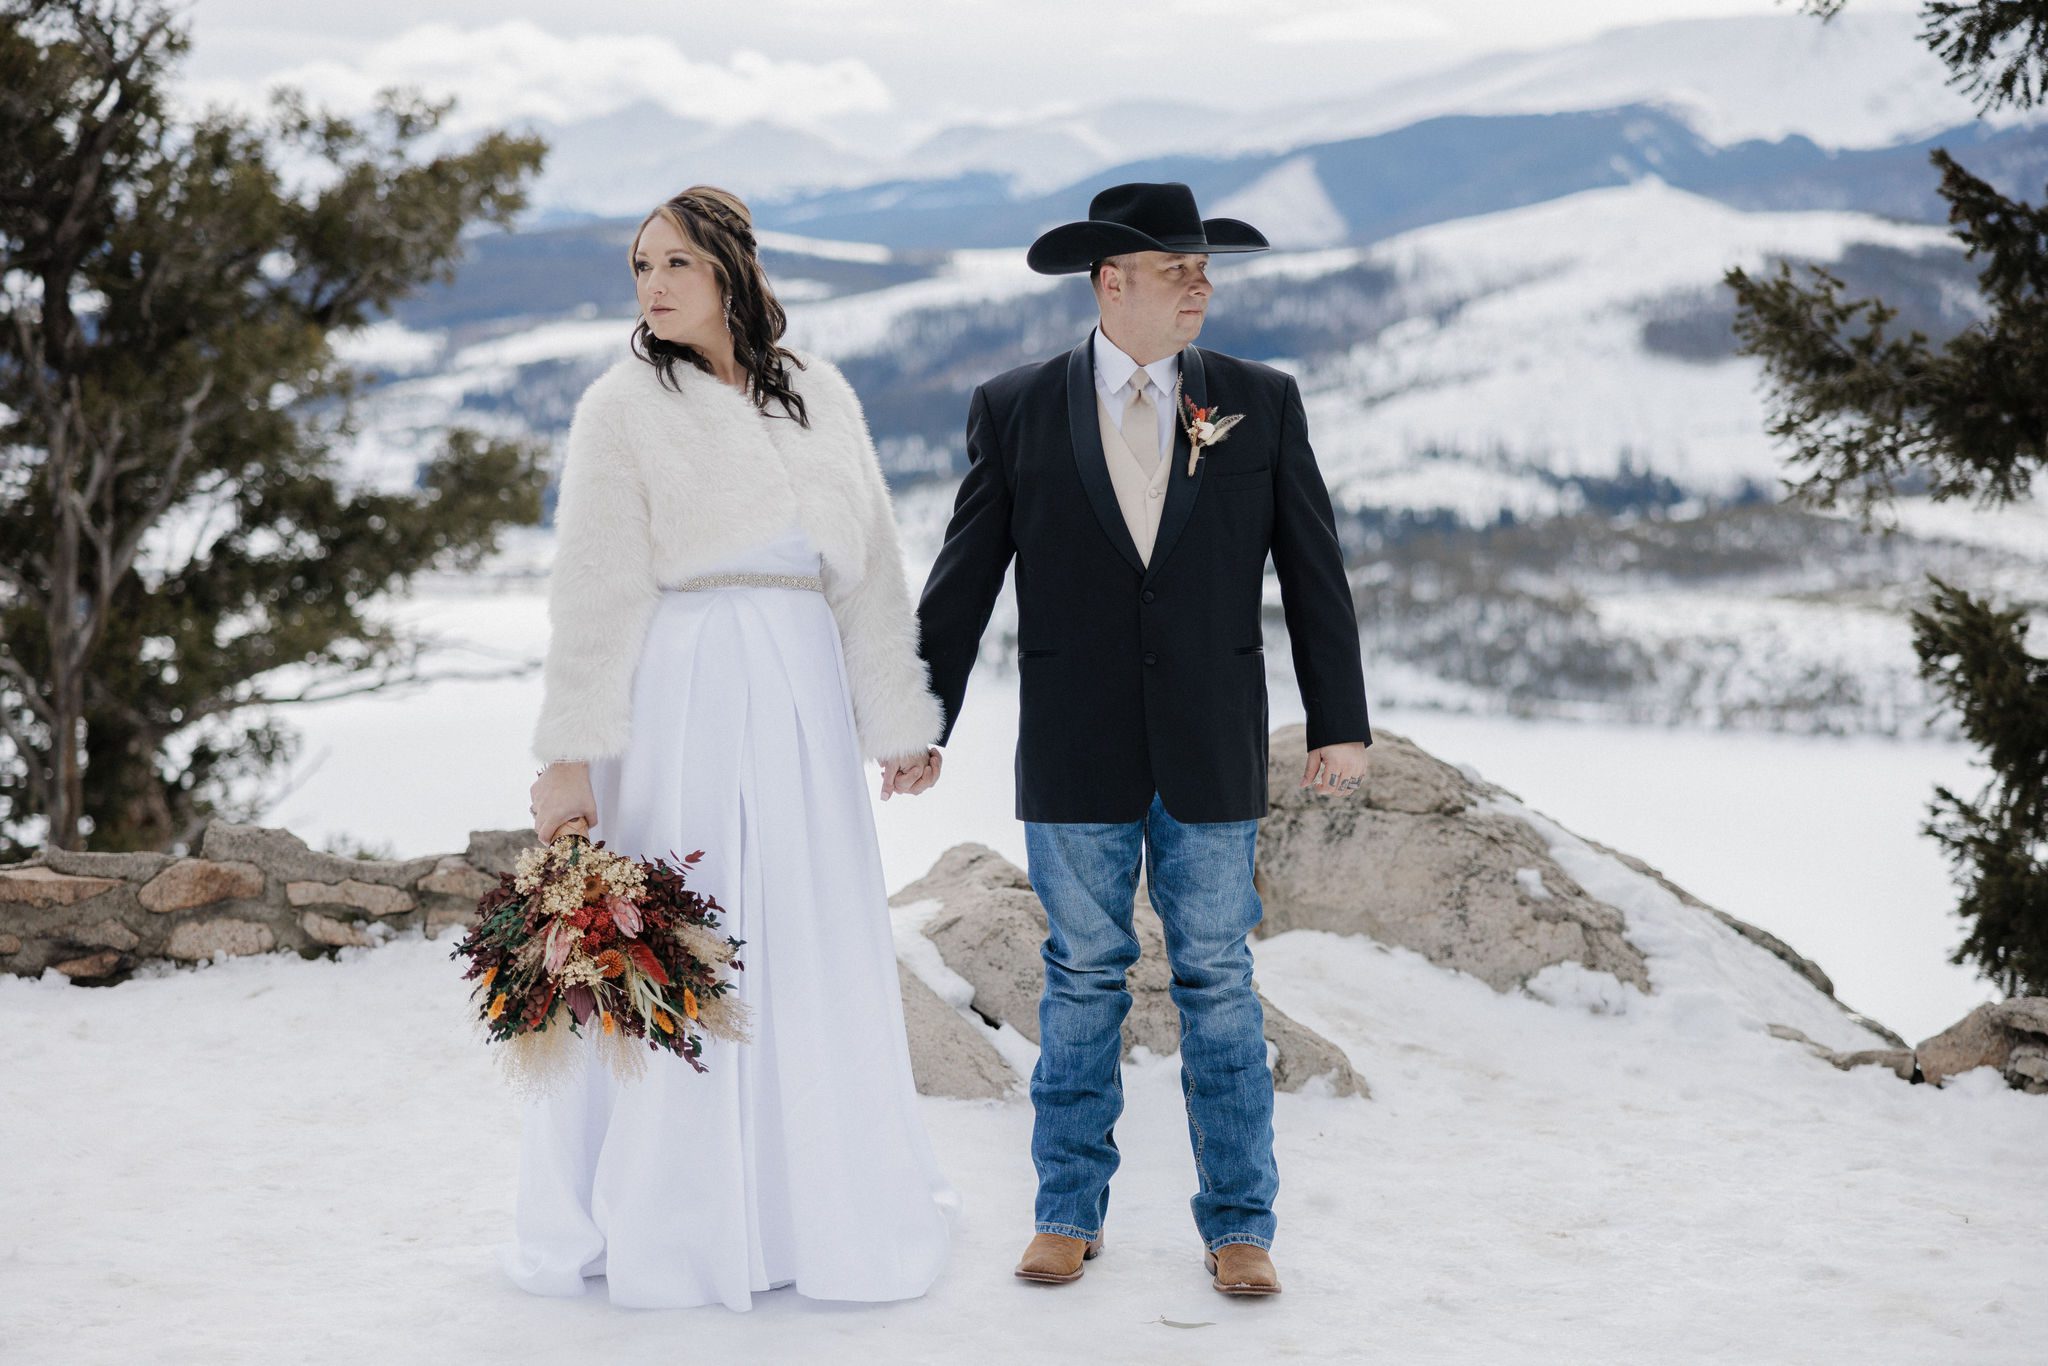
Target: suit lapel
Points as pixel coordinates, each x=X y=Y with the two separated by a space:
x=1181 y=487
x=1086 y=431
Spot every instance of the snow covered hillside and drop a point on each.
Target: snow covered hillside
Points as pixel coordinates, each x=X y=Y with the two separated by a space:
x=1521 y=333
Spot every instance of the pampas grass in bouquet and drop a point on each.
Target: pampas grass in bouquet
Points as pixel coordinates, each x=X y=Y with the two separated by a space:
x=579 y=938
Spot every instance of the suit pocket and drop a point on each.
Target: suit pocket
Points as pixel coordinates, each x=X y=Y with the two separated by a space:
x=1251 y=649
x=1035 y=654
x=1244 y=479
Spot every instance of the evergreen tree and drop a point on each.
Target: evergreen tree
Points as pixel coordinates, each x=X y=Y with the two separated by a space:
x=174 y=528
x=1865 y=411
x=1976 y=656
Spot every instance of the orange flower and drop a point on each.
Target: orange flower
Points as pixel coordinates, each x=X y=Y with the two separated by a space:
x=498 y=1006
x=662 y=1020
x=489 y=973
x=689 y=1003
x=607 y=1016
x=611 y=962
x=593 y=887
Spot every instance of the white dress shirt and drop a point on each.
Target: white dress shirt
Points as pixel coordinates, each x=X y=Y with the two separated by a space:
x=1113 y=370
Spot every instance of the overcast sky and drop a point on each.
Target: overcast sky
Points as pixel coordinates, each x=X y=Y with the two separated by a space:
x=882 y=67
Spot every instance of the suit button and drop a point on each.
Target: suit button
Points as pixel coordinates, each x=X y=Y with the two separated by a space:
x=1148 y=595
x=1151 y=658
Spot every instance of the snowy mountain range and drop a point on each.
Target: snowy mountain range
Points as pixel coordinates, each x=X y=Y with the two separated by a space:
x=1452 y=166
x=1860 y=81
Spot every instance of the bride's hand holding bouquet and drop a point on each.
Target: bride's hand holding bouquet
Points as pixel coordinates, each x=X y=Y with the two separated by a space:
x=577 y=936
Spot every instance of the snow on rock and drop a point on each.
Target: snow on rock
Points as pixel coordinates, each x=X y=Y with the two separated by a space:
x=1434 y=860
x=1013 y=1054
x=988 y=925
x=1707 y=979
x=2009 y=1037
x=1412 y=860
x=949 y=1056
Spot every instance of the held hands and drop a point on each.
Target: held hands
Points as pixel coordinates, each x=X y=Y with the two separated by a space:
x=1343 y=769
x=911 y=773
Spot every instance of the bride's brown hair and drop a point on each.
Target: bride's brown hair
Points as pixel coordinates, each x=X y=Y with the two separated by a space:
x=718 y=225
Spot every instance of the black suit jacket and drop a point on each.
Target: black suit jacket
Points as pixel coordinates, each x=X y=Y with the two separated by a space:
x=1137 y=679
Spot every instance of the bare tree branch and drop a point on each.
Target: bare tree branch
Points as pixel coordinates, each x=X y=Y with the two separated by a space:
x=13 y=669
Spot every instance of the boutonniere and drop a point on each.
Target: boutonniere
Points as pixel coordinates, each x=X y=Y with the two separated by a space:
x=1204 y=426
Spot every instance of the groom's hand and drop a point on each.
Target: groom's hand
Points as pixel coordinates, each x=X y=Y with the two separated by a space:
x=934 y=760
x=910 y=773
x=1343 y=769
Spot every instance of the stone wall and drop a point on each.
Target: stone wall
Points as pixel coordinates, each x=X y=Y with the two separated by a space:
x=95 y=917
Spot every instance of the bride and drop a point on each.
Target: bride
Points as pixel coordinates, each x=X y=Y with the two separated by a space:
x=730 y=634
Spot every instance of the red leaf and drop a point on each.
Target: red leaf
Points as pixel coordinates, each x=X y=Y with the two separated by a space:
x=644 y=959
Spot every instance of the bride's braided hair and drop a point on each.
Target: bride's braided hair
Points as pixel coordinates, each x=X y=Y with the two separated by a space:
x=717 y=223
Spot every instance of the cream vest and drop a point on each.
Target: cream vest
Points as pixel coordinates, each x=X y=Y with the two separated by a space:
x=1140 y=484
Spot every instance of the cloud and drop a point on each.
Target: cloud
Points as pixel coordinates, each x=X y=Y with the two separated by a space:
x=1360 y=23
x=516 y=70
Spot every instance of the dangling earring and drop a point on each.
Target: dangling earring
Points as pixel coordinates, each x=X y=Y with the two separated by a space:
x=728 y=313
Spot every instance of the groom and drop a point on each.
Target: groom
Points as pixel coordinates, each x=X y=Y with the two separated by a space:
x=1141 y=534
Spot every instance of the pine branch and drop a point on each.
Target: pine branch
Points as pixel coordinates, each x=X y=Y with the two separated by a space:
x=1996 y=50
x=1850 y=399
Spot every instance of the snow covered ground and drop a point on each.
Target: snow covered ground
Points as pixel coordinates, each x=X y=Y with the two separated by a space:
x=272 y=1159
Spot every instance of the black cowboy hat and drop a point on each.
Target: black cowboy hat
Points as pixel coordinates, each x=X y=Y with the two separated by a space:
x=1138 y=217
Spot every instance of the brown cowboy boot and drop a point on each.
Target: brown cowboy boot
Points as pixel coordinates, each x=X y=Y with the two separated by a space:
x=1242 y=1269
x=1056 y=1258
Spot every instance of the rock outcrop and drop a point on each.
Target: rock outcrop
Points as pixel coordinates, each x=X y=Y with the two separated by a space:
x=2010 y=1036
x=949 y=1054
x=1412 y=860
x=1421 y=857
x=989 y=930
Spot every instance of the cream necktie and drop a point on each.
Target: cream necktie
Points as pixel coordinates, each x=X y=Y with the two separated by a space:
x=1141 y=420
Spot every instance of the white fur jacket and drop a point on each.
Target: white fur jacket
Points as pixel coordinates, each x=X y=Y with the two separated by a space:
x=657 y=485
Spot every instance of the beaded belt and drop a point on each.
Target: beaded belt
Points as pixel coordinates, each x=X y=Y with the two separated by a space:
x=814 y=582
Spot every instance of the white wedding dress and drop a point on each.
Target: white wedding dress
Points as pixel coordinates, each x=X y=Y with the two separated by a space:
x=800 y=1158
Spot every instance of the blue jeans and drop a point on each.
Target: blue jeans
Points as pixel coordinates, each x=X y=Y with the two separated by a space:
x=1200 y=878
